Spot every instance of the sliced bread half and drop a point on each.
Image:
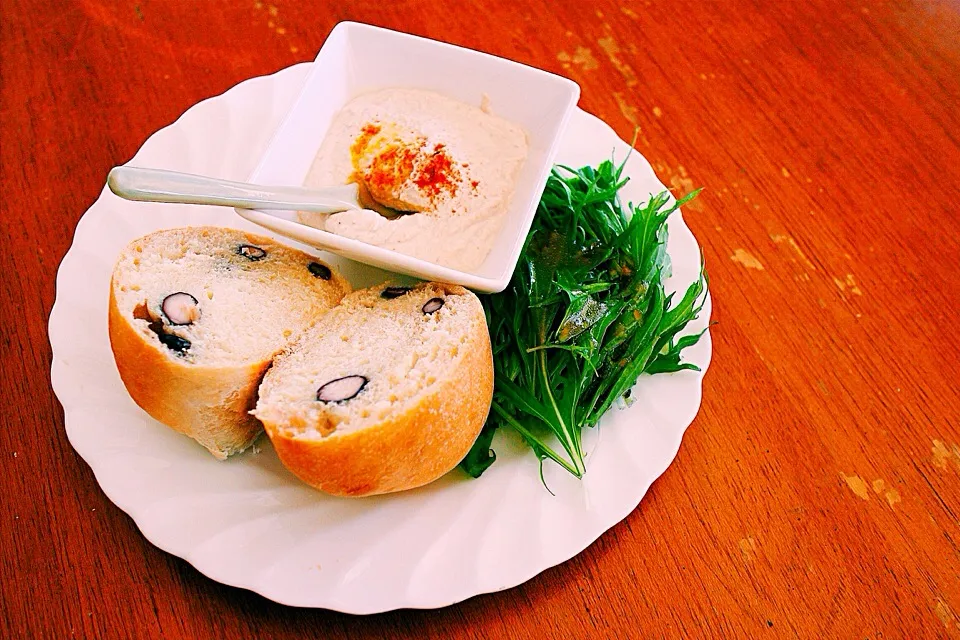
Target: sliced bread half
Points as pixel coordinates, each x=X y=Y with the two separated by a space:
x=386 y=392
x=196 y=316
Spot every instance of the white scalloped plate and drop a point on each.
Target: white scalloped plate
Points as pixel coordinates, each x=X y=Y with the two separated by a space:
x=247 y=522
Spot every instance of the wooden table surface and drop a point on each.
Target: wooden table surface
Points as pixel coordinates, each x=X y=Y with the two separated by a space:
x=816 y=494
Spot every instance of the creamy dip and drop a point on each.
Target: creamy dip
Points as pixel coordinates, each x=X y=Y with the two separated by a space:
x=449 y=167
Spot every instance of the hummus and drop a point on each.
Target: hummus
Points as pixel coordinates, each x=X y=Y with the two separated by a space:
x=445 y=169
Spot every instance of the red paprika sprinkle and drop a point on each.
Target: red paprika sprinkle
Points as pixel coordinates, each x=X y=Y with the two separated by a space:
x=439 y=173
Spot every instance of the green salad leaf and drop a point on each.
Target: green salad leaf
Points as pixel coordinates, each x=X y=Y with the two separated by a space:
x=584 y=316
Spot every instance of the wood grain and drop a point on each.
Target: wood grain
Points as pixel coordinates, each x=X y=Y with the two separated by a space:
x=817 y=493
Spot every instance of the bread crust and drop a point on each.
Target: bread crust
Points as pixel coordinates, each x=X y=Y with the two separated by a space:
x=408 y=450
x=210 y=404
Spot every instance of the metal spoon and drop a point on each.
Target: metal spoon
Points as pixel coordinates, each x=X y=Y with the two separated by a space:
x=157 y=185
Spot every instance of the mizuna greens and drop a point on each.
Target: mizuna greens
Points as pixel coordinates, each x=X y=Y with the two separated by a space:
x=584 y=315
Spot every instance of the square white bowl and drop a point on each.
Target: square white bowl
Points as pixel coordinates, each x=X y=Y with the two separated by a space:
x=357 y=58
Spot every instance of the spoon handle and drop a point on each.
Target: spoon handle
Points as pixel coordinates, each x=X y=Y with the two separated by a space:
x=157 y=185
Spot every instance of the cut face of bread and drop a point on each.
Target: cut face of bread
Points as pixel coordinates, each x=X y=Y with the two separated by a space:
x=386 y=392
x=196 y=316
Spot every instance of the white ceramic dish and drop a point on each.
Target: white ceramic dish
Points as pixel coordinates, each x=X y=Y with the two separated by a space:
x=248 y=522
x=357 y=58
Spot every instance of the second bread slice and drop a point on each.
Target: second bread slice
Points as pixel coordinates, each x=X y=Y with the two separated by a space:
x=388 y=391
